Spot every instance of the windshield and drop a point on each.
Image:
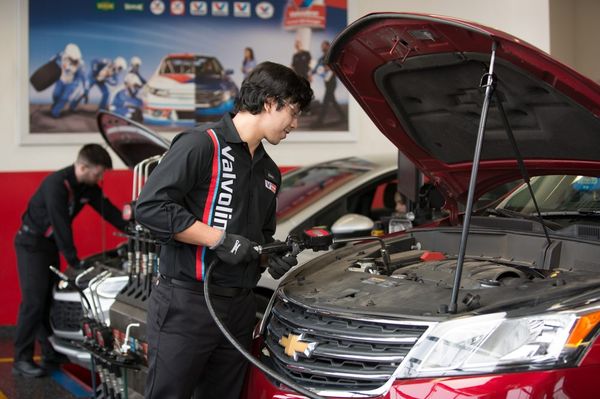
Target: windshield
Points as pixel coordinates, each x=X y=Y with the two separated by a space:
x=557 y=194
x=305 y=186
x=189 y=65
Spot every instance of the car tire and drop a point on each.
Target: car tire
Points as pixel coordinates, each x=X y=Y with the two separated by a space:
x=137 y=115
x=45 y=76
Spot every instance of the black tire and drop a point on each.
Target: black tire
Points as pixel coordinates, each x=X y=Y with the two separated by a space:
x=45 y=76
x=137 y=116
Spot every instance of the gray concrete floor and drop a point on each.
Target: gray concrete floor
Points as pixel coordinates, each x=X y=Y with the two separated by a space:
x=59 y=384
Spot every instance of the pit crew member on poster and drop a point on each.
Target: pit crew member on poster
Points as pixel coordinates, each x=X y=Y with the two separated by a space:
x=104 y=72
x=135 y=64
x=126 y=101
x=71 y=76
x=213 y=196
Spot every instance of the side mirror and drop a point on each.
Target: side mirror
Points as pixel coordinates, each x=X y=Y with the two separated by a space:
x=401 y=223
x=229 y=72
x=352 y=224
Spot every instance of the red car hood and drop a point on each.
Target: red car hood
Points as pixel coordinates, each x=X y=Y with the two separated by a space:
x=418 y=78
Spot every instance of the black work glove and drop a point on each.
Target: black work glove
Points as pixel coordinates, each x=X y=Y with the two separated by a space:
x=279 y=265
x=235 y=249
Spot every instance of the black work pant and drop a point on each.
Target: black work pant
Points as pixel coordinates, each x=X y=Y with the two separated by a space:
x=34 y=255
x=186 y=349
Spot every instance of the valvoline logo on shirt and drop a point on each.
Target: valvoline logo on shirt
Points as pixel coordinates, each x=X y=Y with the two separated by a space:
x=271 y=186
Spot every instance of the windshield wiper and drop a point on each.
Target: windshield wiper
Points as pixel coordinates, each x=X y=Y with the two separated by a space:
x=518 y=215
x=578 y=212
x=505 y=213
x=588 y=211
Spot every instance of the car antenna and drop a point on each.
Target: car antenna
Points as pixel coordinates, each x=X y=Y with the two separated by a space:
x=488 y=77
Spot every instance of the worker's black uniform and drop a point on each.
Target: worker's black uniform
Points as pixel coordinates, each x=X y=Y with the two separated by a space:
x=46 y=229
x=301 y=63
x=207 y=175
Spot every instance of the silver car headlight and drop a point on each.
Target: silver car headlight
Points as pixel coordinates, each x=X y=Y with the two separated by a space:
x=493 y=343
x=221 y=95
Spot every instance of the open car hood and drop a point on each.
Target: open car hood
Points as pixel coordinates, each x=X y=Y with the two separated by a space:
x=418 y=77
x=131 y=141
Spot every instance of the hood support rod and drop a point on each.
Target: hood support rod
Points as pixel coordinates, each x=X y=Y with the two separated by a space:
x=522 y=168
x=489 y=77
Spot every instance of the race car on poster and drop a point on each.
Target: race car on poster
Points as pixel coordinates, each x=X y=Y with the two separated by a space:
x=187 y=88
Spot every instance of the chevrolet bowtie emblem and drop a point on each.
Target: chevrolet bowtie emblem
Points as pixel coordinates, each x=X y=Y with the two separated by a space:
x=293 y=345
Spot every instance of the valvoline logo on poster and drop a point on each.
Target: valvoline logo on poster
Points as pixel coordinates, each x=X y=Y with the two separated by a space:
x=198 y=8
x=220 y=8
x=265 y=10
x=241 y=9
x=305 y=14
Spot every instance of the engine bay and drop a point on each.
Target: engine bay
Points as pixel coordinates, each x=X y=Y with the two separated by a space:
x=500 y=268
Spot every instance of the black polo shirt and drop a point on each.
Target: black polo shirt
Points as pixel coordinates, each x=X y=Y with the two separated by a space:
x=209 y=175
x=55 y=204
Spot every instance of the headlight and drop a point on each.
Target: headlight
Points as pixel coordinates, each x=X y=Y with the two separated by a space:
x=221 y=95
x=159 y=92
x=494 y=343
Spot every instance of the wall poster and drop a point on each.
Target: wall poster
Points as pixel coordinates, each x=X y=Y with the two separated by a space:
x=171 y=64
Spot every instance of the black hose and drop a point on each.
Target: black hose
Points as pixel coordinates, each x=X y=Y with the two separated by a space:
x=243 y=350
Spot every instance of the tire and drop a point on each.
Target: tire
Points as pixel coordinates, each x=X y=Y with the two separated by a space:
x=45 y=76
x=137 y=116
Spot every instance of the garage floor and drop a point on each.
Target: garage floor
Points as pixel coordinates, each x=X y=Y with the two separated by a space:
x=62 y=383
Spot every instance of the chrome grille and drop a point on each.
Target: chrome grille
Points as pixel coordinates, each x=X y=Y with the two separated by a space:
x=66 y=315
x=348 y=354
x=186 y=115
x=207 y=98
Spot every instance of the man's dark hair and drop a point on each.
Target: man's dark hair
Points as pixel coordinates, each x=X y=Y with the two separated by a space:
x=95 y=155
x=273 y=82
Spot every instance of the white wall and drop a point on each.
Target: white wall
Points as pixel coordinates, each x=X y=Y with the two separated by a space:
x=562 y=31
x=528 y=20
x=587 y=32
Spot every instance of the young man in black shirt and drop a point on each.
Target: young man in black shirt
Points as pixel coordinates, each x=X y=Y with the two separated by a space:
x=46 y=230
x=213 y=197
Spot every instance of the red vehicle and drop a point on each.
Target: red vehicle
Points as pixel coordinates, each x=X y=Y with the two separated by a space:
x=497 y=303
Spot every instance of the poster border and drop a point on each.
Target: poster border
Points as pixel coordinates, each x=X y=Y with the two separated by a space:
x=26 y=138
